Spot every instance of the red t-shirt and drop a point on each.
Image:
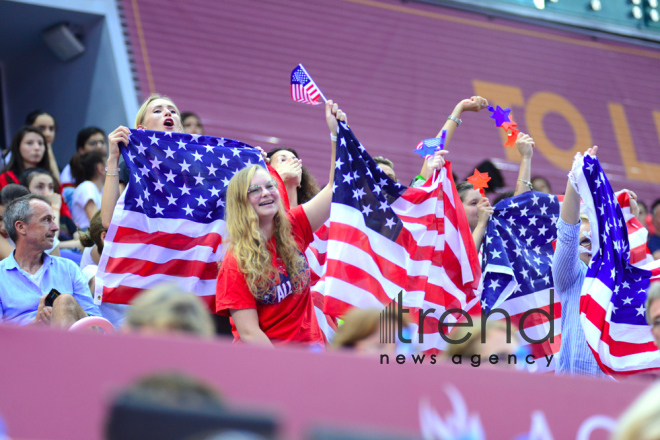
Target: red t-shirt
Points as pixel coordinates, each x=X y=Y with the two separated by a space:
x=8 y=177
x=283 y=315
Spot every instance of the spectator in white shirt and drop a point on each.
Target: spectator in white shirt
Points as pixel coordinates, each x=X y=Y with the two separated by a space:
x=88 y=170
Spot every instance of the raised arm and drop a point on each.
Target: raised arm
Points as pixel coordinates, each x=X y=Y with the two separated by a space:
x=473 y=104
x=111 y=189
x=525 y=146
x=317 y=210
x=565 y=270
x=570 y=208
x=484 y=211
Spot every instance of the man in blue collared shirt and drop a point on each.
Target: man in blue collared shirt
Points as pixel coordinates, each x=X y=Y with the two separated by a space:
x=569 y=268
x=29 y=274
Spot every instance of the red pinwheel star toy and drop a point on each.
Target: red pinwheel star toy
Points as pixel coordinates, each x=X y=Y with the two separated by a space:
x=479 y=181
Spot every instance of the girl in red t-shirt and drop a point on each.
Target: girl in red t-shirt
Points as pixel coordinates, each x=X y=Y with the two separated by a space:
x=264 y=279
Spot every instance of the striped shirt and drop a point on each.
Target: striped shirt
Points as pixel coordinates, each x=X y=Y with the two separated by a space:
x=568 y=272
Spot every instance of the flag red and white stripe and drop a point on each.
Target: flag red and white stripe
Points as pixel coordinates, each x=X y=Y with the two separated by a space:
x=612 y=303
x=433 y=260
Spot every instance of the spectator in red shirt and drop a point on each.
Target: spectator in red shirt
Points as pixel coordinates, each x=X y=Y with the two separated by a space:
x=28 y=150
x=264 y=280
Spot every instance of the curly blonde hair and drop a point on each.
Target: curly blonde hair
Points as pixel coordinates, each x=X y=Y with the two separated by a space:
x=250 y=247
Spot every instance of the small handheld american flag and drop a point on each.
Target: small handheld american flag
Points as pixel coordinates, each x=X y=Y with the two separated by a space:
x=428 y=147
x=303 y=87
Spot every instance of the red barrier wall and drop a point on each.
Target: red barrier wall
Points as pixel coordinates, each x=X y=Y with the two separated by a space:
x=398 y=69
x=56 y=385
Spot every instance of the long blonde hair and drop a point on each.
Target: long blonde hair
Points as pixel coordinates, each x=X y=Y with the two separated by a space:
x=142 y=112
x=249 y=246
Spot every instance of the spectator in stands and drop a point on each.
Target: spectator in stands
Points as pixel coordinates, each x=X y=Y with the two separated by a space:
x=192 y=124
x=654 y=240
x=168 y=309
x=29 y=274
x=653 y=311
x=92 y=240
x=500 y=341
x=47 y=125
x=477 y=209
x=88 y=170
x=28 y=150
x=157 y=113
x=161 y=397
x=42 y=182
x=387 y=166
x=541 y=184
x=361 y=332
x=569 y=267
x=8 y=194
x=300 y=184
x=89 y=139
x=641 y=421
x=270 y=301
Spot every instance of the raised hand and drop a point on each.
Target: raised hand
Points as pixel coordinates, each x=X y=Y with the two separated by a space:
x=484 y=210
x=435 y=162
x=474 y=104
x=634 y=207
x=264 y=155
x=525 y=145
x=592 y=151
x=119 y=135
x=333 y=114
x=291 y=169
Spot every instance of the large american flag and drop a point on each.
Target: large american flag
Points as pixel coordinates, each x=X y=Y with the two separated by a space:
x=169 y=224
x=383 y=238
x=517 y=273
x=303 y=87
x=612 y=305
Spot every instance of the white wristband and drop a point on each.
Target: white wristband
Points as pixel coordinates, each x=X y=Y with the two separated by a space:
x=333 y=138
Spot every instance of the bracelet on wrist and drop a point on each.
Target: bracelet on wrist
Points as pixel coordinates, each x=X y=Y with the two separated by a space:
x=455 y=119
x=333 y=138
x=116 y=172
x=528 y=183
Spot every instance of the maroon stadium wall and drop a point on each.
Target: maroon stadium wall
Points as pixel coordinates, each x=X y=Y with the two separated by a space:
x=398 y=69
x=58 y=385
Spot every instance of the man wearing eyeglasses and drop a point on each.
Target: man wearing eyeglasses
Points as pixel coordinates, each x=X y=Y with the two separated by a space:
x=653 y=311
